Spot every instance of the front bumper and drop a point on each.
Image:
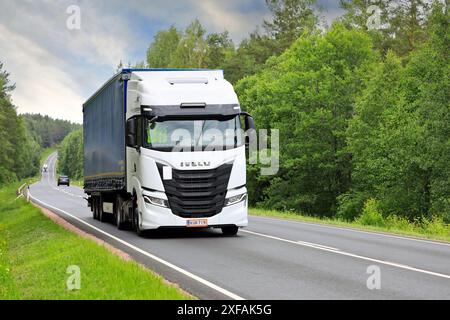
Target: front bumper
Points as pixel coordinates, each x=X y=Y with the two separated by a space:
x=154 y=217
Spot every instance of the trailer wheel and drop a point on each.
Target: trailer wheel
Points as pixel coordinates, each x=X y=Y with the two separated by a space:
x=101 y=215
x=94 y=208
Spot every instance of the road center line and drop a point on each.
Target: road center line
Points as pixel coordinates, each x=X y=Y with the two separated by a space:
x=350 y=229
x=149 y=255
x=314 y=245
x=333 y=250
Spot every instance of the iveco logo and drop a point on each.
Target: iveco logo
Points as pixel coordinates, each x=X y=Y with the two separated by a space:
x=196 y=164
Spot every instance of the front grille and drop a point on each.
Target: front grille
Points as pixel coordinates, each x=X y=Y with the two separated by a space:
x=197 y=193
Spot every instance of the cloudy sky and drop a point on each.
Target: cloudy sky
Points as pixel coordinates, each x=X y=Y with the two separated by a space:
x=56 y=69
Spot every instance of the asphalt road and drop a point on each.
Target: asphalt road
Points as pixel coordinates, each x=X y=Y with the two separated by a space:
x=272 y=258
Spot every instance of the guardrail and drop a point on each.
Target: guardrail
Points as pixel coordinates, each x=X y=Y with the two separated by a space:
x=23 y=191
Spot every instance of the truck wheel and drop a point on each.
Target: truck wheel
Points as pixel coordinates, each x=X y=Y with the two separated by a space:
x=101 y=215
x=230 y=231
x=136 y=221
x=118 y=215
x=94 y=208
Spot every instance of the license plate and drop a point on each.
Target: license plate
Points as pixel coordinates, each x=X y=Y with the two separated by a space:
x=197 y=223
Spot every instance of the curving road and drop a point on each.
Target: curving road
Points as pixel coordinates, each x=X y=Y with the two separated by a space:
x=272 y=258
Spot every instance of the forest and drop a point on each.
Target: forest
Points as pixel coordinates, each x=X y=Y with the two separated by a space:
x=362 y=104
x=24 y=137
x=363 y=112
x=47 y=131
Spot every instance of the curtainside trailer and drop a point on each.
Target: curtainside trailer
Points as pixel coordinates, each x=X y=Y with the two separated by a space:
x=166 y=148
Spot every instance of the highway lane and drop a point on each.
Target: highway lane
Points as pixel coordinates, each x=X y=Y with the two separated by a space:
x=272 y=258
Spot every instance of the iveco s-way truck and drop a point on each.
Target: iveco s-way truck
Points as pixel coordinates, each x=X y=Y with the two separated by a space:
x=166 y=148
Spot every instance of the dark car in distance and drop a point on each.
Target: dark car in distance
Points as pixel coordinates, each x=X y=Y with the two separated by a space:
x=63 y=180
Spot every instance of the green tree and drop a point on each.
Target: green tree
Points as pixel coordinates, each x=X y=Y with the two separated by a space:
x=162 y=49
x=192 y=50
x=427 y=94
x=250 y=57
x=401 y=23
x=7 y=173
x=408 y=24
x=368 y=142
x=308 y=93
x=47 y=131
x=71 y=155
x=220 y=49
x=5 y=85
x=20 y=152
x=400 y=135
x=290 y=19
x=358 y=12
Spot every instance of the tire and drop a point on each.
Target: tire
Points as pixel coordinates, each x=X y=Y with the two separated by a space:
x=118 y=217
x=136 y=221
x=94 y=208
x=101 y=215
x=230 y=231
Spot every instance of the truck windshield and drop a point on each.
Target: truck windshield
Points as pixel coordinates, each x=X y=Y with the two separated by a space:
x=193 y=135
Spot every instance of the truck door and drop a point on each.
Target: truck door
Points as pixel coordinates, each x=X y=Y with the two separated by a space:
x=134 y=144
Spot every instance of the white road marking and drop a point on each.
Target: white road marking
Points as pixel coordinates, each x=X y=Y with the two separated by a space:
x=302 y=243
x=310 y=244
x=151 y=256
x=374 y=233
x=392 y=264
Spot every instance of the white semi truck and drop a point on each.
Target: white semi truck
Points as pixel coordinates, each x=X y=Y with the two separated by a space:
x=166 y=148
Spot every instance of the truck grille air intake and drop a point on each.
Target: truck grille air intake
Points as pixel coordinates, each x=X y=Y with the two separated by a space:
x=197 y=193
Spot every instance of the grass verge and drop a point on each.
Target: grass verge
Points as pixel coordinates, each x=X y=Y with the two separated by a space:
x=78 y=183
x=35 y=254
x=427 y=229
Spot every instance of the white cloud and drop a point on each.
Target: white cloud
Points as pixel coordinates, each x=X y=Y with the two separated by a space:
x=40 y=87
x=236 y=16
x=56 y=69
x=225 y=15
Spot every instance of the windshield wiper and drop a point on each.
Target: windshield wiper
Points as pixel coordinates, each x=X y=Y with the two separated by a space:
x=201 y=133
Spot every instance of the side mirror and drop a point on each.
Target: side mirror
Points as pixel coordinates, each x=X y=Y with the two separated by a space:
x=249 y=123
x=131 y=133
x=131 y=141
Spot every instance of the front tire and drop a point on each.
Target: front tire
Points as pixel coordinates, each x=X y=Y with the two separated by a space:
x=230 y=231
x=136 y=222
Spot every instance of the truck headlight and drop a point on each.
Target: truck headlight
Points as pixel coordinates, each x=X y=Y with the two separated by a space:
x=235 y=199
x=156 y=201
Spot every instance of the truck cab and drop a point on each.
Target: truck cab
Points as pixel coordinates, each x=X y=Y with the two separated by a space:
x=184 y=163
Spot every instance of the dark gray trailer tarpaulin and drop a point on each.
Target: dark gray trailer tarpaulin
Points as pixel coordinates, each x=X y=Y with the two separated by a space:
x=104 y=138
